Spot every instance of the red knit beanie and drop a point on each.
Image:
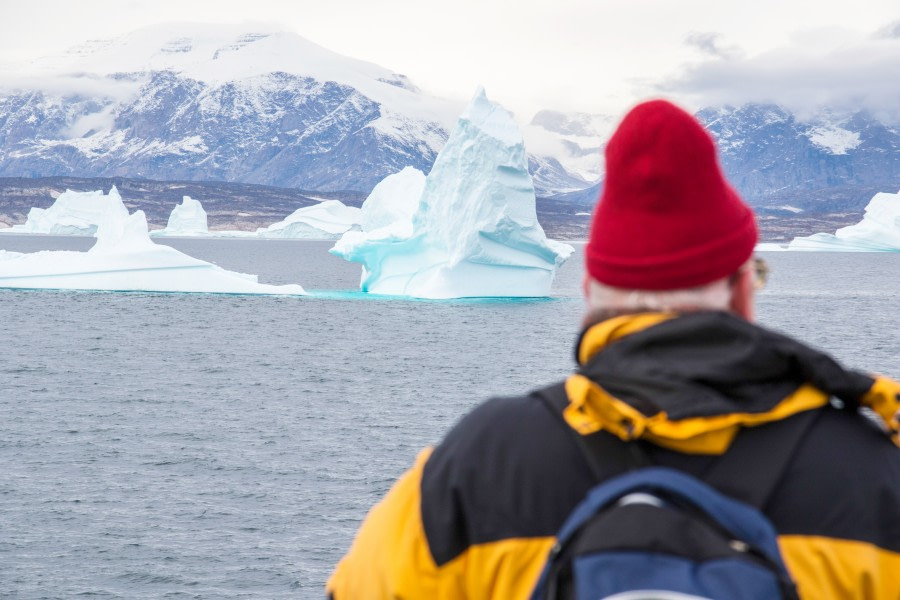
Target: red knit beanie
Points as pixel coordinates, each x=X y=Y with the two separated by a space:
x=667 y=218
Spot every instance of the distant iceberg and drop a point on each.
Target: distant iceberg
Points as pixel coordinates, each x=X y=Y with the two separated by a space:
x=79 y=213
x=468 y=229
x=187 y=219
x=879 y=230
x=124 y=258
x=770 y=247
x=73 y=213
x=326 y=220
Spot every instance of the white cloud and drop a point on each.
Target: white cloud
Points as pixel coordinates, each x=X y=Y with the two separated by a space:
x=835 y=68
x=891 y=31
x=85 y=86
x=575 y=55
x=710 y=43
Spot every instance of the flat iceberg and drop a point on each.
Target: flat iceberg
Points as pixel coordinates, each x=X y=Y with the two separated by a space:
x=879 y=230
x=124 y=258
x=186 y=219
x=73 y=213
x=770 y=247
x=327 y=220
x=468 y=229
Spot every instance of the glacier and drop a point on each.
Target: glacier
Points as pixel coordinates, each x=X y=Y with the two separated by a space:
x=327 y=220
x=878 y=231
x=187 y=219
x=468 y=230
x=124 y=258
x=73 y=213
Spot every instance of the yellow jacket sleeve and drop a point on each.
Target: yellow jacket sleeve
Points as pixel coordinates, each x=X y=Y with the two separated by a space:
x=834 y=569
x=389 y=558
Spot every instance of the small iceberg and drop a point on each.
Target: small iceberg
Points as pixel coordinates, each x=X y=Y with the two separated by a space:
x=468 y=229
x=80 y=213
x=879 y=230
x=124 y=258
x=327 y=220
x=186 y=219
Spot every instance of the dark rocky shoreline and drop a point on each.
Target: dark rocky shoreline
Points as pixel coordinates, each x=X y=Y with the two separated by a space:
x=244 y=206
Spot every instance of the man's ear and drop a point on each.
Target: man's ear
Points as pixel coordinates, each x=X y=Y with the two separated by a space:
x=742 y=293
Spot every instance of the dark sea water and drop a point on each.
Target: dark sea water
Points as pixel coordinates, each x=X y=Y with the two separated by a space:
x=201 y=446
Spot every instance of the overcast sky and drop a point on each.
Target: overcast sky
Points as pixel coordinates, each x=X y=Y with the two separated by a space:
x=597 y=56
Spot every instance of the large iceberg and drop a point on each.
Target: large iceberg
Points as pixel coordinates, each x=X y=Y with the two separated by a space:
x=73 y=213
x=469 y=230
x=327 y=220
x=879 y=230
x=186 y=219
x=124 y=258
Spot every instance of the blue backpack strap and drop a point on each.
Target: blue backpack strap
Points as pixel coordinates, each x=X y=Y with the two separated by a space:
x=739 y=521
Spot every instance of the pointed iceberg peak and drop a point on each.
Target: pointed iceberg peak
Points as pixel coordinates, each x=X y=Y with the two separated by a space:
x=474 y=229
x=491 y=118
x=118 y=232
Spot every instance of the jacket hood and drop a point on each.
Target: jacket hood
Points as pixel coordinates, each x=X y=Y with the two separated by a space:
x=689 y=382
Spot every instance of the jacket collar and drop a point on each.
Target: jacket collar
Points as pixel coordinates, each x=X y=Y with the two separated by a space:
x=690 y=382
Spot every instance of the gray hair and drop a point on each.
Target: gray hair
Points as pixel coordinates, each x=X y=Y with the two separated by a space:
x=604 y=301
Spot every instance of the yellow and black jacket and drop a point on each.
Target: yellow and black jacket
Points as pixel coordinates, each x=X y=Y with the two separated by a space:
x=476 y=517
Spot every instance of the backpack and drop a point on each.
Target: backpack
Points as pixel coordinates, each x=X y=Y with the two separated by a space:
x=656 y=533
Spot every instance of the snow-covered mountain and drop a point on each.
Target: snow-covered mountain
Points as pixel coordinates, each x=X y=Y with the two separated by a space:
x=825 y=163
x=787 y=166
x=213 y=102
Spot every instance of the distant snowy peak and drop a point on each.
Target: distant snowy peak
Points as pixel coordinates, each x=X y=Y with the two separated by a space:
x=828 y=133
x=823 y=161
x=833 y=138
x=205 y=52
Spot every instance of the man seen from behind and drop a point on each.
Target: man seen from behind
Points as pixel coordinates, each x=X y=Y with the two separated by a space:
x=669 y=360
